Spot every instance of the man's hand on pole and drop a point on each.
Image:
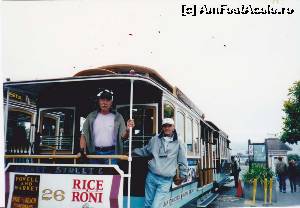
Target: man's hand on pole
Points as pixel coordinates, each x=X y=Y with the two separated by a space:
x=130 y=123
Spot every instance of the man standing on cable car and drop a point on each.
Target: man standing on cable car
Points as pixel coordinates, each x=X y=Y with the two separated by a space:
x=167 y=154
x=104 y=129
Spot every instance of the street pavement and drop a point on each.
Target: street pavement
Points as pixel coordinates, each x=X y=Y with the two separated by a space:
x=227 y=198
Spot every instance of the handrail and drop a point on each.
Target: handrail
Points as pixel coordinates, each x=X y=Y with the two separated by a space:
x=121 y=157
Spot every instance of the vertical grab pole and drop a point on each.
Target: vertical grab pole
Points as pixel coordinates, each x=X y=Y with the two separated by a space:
x=5 y=120
x=130 y=144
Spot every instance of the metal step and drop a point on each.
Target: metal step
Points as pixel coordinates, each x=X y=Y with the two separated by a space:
x=225 y=181
x=207 y=199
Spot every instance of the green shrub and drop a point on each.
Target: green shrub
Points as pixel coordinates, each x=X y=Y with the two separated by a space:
x=259 y=172
x=293 y=157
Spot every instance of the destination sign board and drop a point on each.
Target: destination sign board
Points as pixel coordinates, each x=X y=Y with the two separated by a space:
x=76 y=186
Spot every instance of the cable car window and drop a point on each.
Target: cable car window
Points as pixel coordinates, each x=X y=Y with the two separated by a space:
x=145 y=119
x=196 y=142
x=18 y=130
x=180 y=125
x=189 y=136
x=56 y=127
x=168 y=110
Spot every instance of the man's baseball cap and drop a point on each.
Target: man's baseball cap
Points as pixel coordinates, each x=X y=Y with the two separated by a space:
x=169 y=121
x=105 y=94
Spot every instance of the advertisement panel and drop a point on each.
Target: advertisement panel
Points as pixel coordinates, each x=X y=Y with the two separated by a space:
x=64 y=186
x=192 y=174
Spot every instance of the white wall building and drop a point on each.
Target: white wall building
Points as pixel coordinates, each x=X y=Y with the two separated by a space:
x=275 y=149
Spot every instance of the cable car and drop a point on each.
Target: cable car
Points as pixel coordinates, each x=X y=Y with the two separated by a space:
x=43 y=122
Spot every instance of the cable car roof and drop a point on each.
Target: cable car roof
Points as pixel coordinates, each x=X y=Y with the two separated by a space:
x=126 y=69
x=143 y=71
x=109 y=71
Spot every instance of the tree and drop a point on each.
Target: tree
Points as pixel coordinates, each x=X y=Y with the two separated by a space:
x=293 y=157
x=291 y=120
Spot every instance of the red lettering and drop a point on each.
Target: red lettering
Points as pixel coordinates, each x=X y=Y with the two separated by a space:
x=84 y=184
x=89 y=185
x=96 y=197
x=75 y=196
x=84 y=197
x=93 y=197
x=76 y=184
x=87 y=196
x=100 y=197
x=99 y=185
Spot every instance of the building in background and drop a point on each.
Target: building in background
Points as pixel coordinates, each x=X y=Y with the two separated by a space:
x=275 y=149
x=268 y=152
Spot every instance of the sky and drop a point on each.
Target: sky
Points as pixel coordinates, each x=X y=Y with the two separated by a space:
x=236 y=68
